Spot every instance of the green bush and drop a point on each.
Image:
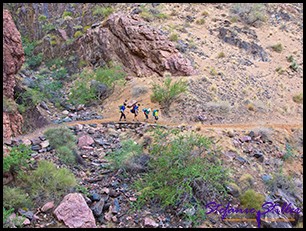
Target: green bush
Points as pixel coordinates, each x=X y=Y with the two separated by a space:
x=7 y=214
x=103 y=11
x=110 y=75
x=294 y=66
x=251 y=199
x=66 y=155
x=277 y=48
x=60 y=74
x=49 y=181
x=279 y=70
x=55 y=63
x=35 y=95
x=176 y=164
x=290 y=59
x=165 y=94
x=173 y=37
x=122 y=156
x=15 y=198
x=60 y=137
x=161 y=16
x=42 y=18
x=67 y=13
x=17 y=158
x=48 y=27
x=298 y=98
x=77 y=34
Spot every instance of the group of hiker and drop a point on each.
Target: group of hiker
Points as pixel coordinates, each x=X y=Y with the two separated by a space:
x=135 y=110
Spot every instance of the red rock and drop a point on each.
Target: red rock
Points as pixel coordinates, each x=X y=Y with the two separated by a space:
x=85 y=140
x=148 y=222
x=13 y=58
x=74 y=212
x=47 y=206
x=141 y=49
x=133 y=199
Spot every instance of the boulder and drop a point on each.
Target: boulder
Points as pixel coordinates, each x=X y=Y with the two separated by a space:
x=74 y=212
x=142 y=49
x=149 y=222
x=47 y=206
x=85 y=140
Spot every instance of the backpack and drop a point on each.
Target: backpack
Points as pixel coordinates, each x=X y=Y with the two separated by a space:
x=155 y=113
x=121 y=108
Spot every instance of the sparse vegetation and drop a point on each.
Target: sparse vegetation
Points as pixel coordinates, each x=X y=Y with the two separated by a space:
x=277 y=47
x=9 y=105
x=139 y=91
x=103 y=11
x=298 y=98
x=221 y=55
x=218 y=107
x=42 y=18
x=289 y=152
x=279 y=70
x=32 y=59
x=67 y=13
x=234 y=19
x=213 y=71
x=251 y=199
x=165 y=94
x=250 y=107
x=173 y=37
x=200 y=21
x=78 y=34
x=205 y=13
x=251 y=13
x=66 y=155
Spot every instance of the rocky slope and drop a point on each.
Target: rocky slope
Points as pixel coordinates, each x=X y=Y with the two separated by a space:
x=13 y=58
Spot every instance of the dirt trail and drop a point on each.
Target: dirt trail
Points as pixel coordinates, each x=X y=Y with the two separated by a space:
x=287 y=126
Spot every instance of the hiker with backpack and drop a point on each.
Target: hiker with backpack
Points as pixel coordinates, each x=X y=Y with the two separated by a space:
x=146 y=112
x=122 y=109
x=134 y=110
x=155 y=114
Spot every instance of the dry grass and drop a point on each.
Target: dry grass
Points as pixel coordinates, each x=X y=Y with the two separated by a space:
x=219 y=107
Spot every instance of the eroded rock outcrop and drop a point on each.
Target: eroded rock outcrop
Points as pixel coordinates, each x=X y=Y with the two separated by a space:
x=13 y=58
x=142 y=49
x=74 y=212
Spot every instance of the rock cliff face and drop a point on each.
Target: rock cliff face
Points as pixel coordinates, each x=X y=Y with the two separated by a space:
x=142 y=49
x=13 y=58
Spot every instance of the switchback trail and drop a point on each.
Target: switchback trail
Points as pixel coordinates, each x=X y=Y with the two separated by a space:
x=287 y=126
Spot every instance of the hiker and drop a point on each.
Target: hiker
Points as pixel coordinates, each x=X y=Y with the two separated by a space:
x=122 y=108
x=146 y=112
x=155 y=114
x=134 y=110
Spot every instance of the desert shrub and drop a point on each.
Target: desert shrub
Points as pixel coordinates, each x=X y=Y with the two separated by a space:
x=66 y=155
x=6 y=214
x=9 y=105
x=123 y=155
x=166 y=93
x=15 y=198
x=251 y=199
x=35 y=95
x=277 y=47
x=213 y=71
x=77 y=34
x=86 y=28
x=234 y=19
x=200 y=21
x=218 y=107
x=55 y=63
x=138 y=91
x=290 y=58
x=294 y=66
x=173 y=37
x=103 y=11
x=42 y=18
x=161 y=16
x=205 y=13
x=250 y=13
x=110 y=75
x=60 y=74
x=60 y=137
x=221 y=55
x=175 y=166
x=66 y=13
x=49 y=181
x=250 y=107
x=298 y=98
x=289 y=152
x=81 y=93
x=280 y=180
x=17 y=158
x=246 y=181
x=48 y=27
x=279 y=70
